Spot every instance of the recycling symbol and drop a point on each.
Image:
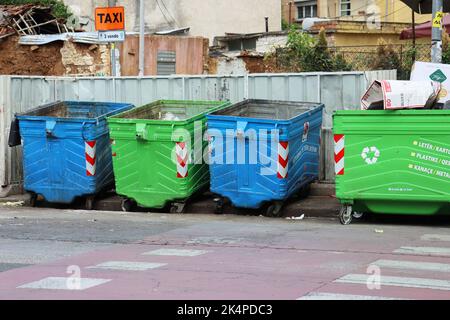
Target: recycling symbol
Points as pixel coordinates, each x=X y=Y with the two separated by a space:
x=370 y=155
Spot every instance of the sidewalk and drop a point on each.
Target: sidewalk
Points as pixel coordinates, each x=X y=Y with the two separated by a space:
x=320 y=203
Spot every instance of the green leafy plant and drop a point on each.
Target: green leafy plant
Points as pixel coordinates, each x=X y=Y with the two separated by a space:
x=386 y=58
x=445 y=47
x=307 y=53
x=59 y=9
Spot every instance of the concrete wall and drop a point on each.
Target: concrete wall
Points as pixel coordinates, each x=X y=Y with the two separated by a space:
x=206 y=18
x=270 y=43
x=231 y=66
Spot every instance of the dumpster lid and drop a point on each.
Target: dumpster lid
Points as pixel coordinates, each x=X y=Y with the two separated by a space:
x=268 y=109
x=75 y=110
x=171 y=110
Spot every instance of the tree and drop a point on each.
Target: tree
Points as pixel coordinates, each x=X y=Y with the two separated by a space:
x=59 y=9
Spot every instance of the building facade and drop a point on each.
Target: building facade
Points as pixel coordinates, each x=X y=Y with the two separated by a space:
x=393 y=11
x=206 y=18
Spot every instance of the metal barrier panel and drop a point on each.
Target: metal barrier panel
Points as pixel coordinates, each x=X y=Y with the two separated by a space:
x=337 y=90
x=4 y=81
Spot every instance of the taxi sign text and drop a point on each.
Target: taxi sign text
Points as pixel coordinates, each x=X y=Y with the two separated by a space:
x=109 y=18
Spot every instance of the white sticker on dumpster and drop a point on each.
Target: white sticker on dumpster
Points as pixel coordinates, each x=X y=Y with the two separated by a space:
x=370 y=155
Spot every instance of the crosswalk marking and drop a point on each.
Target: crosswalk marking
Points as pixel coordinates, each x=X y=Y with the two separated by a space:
x=431 y=251
x=397 y=281
x=127 y=265
x=62 y=283
x=414 y=265
x=340 y=296
x=435 y=237
x=176 y=252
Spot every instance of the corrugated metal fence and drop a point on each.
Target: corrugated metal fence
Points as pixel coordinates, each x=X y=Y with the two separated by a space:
x=336 y=90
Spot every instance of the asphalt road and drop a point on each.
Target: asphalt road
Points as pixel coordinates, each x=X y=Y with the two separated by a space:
x=70 y=254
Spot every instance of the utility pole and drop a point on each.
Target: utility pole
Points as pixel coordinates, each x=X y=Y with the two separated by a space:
x=290 y=13
x=141 y=38
x=436 y=35
x=414 y=33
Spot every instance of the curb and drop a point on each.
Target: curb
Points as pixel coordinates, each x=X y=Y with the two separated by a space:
x=320 y=203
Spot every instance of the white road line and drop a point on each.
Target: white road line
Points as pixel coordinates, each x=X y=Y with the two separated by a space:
x=214 y=240
x=422 y=283
x=427 y=251
x=340 y=296
x=61 y=283
x=127 y=265
x=414 y=265
x=176 y=252
x=435 y=237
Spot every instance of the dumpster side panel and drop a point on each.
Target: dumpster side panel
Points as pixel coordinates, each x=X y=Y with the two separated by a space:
x=146 y=170
x=395 y=163
x=304 y=147
x=55 y=167
x=245 y=170
x=154 y=161
x=65 y=158
x=249 y=183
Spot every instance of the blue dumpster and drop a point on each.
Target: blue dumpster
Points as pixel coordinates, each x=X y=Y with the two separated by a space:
x=66 y=150
x=262 y=152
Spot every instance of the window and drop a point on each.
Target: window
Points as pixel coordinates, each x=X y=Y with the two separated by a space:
x=166 y=63
x=235 y=45
x=242 y=44
x=346 y=8
x=306 y=9
x=249 y=44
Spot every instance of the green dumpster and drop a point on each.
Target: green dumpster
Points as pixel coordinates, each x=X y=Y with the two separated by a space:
x=392 y=162
x=153 y=153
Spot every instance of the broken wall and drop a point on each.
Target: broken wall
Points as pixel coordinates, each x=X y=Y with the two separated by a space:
x=16 y=59
x=53 y=59
x=82 y=59
x=270 y=43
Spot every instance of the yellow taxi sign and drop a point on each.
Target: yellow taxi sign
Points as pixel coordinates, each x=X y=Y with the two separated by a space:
x=109 y=18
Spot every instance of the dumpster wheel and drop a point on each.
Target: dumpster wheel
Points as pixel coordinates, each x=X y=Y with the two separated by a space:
x=178 y=207
x=346 y=215
x=219 y=204
x=358 y=215
x=128 y=205
x=33 y=199
x=274 y=209
x=89 y=202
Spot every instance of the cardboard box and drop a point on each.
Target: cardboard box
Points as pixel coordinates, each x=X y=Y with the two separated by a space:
x=393 y=94
x=425 y=71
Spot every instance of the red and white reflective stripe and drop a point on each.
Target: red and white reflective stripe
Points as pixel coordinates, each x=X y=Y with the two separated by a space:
x=90 y=150
x=283 y=160
x=182 y=160
x=339 y=150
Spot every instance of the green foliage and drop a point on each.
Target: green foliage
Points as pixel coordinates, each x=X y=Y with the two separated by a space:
x=323 y=61
x=386 y=58
x=59 y=9
x=340 y=64
x=410 y=55
x=446 y=48
x=284 y=24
